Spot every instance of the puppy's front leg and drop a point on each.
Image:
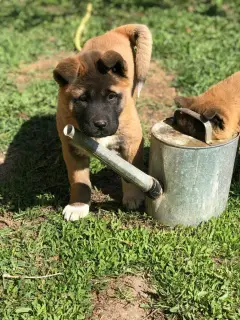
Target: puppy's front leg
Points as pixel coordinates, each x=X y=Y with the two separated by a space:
x=78 y=175
x=133 y=153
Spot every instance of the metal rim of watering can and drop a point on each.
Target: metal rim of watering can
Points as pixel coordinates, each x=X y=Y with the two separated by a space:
x=206 y=123
x=155 y=129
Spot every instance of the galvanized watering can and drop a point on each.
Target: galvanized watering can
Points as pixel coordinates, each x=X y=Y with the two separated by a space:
x=188 y=181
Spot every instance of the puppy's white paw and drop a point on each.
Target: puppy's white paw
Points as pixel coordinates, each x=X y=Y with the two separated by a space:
x=73 y=213
x=133 y=199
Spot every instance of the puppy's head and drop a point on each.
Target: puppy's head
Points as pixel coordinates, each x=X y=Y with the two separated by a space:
x=94 y=87
x=224 y=118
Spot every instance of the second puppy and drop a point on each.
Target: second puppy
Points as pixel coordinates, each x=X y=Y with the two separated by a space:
x=220 y=104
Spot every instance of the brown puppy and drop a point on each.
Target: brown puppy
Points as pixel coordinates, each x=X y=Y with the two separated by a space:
x=220 y=104
x=96 y=89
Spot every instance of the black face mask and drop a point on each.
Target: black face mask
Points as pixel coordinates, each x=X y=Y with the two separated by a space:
x=98 y=115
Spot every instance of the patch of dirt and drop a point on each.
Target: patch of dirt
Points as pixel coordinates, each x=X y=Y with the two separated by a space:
x=157 y=96
x=217 y=260
x=98 y=196
x=157 y=86
x=41 y=69
x=7 y=221
x=3 y=223
x=23 y=115
x=122 y=300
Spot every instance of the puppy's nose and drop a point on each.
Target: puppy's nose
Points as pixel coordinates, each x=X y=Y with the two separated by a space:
x=100 y=124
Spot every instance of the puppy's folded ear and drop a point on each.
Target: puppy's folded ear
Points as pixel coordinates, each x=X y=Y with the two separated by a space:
x=112 y=60
x=67 y=70
x=212 y=114
x=183 y=102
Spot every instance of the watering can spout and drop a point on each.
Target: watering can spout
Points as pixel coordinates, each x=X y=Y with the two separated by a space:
x=149 y=185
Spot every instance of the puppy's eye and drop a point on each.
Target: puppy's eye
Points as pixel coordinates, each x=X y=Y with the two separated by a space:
x=218 y=122
x=112 y=96
x=83 y=98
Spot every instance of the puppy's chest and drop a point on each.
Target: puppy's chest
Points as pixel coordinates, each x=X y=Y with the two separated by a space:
x=114 y=142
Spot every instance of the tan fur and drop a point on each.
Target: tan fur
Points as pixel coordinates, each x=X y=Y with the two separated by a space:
x=140 y=38
x=223 y=100
x=80 y=72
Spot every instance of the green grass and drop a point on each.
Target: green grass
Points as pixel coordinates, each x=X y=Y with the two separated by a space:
x=195 y=271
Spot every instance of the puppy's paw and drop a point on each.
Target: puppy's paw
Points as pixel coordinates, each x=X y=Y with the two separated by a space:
x=73 y=213
x=133 y=199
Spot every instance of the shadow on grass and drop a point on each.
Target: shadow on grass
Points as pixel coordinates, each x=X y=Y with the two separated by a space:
x=34 y=172
x=236 y=172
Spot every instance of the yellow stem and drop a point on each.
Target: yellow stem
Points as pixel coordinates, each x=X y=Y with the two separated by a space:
x=81 y=27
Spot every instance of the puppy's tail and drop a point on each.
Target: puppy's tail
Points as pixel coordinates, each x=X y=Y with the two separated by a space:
x=141 y=39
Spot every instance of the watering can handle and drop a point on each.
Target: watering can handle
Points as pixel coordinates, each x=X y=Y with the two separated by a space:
x=207 y=124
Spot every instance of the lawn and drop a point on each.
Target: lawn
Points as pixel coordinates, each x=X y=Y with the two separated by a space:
x=194 y=272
